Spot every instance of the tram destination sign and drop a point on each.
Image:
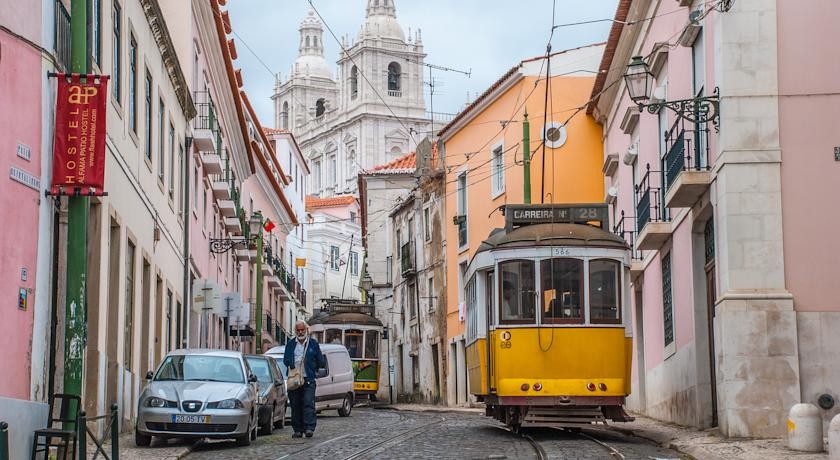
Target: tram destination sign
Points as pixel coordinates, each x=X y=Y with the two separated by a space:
x=522 y=214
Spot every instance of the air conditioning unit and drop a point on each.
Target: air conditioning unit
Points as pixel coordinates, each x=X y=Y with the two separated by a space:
x=631 y=154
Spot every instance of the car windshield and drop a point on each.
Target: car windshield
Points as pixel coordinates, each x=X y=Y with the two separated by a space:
x=201 y=368
x=279 y=360
x=259 y=366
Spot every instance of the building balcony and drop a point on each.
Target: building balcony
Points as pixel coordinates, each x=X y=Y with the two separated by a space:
x=212 y=163
x=267 y=269
x=205 y=123
x=233 y=225
x=221 y=189
x=626 y=229
x=242 y=255
x=227 y=208
x=653 y=224
x=637 y=269
x=252 y=255
x=393 y=93
x=687 y=175
x=273 y=281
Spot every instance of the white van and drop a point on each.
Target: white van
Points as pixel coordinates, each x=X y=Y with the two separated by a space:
x=335 y=389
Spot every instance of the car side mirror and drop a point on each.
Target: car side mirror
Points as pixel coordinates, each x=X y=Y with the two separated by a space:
x=150 y=375
x=252 y=378
x=321 y=373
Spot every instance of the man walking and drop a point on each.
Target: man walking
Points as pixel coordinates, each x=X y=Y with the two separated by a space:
x=304 y=353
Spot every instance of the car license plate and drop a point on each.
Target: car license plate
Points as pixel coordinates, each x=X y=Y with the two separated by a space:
x=190 y=419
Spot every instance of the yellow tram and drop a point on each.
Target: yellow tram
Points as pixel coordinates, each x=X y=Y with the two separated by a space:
x=549 y=338
x=353 y=325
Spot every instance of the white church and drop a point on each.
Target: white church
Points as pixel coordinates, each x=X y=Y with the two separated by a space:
x=370 y=112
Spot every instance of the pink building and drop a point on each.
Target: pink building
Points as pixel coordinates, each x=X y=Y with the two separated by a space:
x=734 y=286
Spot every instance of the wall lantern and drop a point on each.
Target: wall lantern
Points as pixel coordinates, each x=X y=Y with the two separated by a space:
x=639 y=80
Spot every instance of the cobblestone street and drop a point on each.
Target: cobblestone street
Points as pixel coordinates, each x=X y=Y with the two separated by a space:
x=370 y=433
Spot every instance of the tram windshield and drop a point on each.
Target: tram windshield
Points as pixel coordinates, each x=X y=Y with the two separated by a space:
x=604 y=291
x=371 y=344
x=353 y=342
x=517 y=289
x=561 y=281
x=332 y=336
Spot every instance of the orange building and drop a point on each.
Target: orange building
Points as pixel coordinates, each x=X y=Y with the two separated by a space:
x=483 y=158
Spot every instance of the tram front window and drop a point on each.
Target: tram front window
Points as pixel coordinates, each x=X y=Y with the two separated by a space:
x=604 y=292
x=333 y=336
x=372 y=344
x=353 y=342
x=562 y=290
x=517 y=292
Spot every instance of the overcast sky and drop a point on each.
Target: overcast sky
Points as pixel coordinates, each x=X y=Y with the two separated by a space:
x=485 y=36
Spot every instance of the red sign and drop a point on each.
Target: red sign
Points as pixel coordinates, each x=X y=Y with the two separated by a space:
x=79 y=152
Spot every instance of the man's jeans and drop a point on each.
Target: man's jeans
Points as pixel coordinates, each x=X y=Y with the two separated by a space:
x=302 y=401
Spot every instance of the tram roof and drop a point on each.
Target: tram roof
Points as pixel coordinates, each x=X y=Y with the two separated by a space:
x=325 y=317
x=550 y=234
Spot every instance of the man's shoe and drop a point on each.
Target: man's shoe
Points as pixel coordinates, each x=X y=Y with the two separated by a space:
x=297 y=435
x=309 y=434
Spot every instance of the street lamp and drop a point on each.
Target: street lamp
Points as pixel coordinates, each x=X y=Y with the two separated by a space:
x=639 y=81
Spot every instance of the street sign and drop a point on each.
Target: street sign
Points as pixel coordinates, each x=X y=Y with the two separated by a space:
x=518 y=215
x=207 y=296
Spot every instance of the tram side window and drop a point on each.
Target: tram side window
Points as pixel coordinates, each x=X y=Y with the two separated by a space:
x=332 y=336
x=372 y=344
x=604 y=292
x=353 y=342
x=319 y=336
x=562 y=290
x=517 y=290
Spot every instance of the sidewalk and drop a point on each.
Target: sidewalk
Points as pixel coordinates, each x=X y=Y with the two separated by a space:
x=174 y=449
x=709 y=444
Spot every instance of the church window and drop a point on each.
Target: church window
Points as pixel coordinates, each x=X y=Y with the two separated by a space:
x=394 y=76
x=354 y=82
x=284 y=116
x=317 y=176
x=315 y=41
x=332 y=170
x=320 y=107
x=307 y=42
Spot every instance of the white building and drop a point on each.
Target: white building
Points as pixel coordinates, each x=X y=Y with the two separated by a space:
x=334 y=250
x=349 y=123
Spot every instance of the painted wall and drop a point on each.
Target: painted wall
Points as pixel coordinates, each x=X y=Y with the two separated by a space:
x=573 y=172
x=19 y=66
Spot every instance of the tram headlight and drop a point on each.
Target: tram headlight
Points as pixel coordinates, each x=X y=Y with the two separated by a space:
x=602 y=386
x=537 y=386
x=524 y=387
x=590 y=386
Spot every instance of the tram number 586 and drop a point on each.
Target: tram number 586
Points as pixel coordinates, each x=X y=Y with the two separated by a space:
x=560 y=252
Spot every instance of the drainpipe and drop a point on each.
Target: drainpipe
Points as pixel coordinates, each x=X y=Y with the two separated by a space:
x=186 y=305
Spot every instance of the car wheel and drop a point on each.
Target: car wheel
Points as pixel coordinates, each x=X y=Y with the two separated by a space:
x=142 y=440
x=268 y=426
x=280 y=424
x=255 y=429
x=244 y=440
x=346 y=406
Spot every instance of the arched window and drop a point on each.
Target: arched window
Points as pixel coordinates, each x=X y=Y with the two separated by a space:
x=284 y=116
x=354 y=82
x=315 y=41
x=394 y=76
x=307 y=41
x=320 y=107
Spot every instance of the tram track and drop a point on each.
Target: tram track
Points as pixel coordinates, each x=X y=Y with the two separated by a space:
x=614 y=453
x=407 y=434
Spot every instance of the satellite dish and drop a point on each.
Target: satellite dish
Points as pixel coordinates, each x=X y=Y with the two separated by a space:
x=555 y=135
x=206 y=296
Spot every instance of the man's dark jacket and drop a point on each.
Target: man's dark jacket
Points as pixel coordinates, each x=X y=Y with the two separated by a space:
x=313 y=360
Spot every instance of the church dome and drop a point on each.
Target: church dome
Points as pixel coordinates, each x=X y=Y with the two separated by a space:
x=313 y=65
x=310 y=59
x=381 y=21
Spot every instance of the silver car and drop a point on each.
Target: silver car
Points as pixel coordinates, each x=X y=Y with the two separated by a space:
x=199 y=394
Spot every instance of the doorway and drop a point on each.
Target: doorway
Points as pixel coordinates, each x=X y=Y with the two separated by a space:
x=711 y=297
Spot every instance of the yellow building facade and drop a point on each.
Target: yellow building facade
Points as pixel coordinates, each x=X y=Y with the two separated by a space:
x=484 y=164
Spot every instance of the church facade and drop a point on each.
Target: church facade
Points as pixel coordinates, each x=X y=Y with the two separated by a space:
x=369 y=112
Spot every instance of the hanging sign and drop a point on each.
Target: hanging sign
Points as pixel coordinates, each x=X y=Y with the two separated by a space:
x=79 y=152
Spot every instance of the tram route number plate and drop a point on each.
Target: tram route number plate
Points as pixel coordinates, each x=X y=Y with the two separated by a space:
x=505 y=344
x=190 y=419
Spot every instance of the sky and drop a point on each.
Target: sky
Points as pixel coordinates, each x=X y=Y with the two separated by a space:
x=485 y=37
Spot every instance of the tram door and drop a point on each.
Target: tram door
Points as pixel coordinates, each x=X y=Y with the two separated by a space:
x=488 y=301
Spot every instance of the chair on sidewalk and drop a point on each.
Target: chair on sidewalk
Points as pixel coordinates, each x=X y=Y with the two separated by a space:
x=55 y=427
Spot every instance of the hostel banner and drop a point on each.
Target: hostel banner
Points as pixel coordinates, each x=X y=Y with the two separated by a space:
x=79 y=151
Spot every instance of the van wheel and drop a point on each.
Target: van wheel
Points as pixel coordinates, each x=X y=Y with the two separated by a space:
x=346 y=406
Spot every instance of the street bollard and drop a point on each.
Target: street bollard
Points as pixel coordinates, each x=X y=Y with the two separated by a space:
x=4 y=441
x=81 y=434
x=834 y=438
x=804 y=426
x=115 y=432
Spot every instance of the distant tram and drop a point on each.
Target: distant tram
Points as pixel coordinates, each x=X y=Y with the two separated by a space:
x=353 y=325
x=549 y=338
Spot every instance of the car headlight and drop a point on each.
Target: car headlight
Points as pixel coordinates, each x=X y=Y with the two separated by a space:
x=230 y=404
x=155 y=402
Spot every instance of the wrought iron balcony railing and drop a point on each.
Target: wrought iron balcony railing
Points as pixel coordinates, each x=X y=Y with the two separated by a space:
x=627 y=231
x=205 y=117
x=688 y=149
x=649 y=202
x=62 y=34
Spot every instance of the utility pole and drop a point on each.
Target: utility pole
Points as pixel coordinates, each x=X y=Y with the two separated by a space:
x=75 y=322
x=526 y=147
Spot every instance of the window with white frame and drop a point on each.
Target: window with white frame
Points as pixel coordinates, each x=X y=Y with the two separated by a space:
x=498 y=168
x=334 y=258
x=316 y=170
x=332 y=172
x=354 y=263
